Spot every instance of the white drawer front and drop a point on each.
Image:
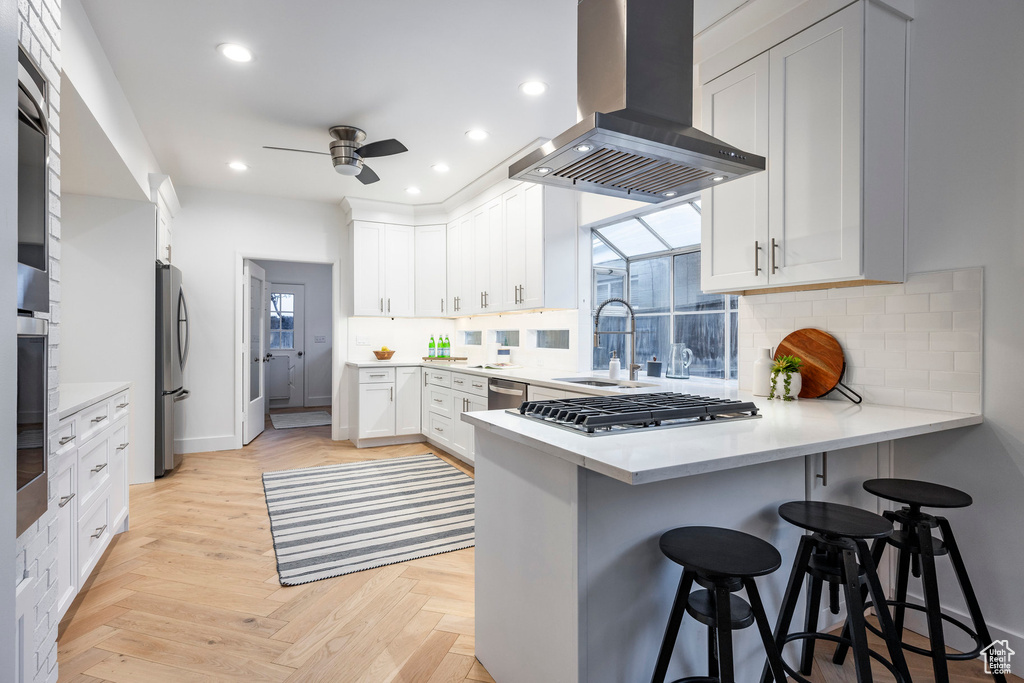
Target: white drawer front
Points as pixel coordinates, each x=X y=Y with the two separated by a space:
x=376 y=376
x=63 y=439
x=440 y=401
x=120 y=451
x=471 y=384
x=93 y=470
x=441 y=378
x=93 y=420
x=440 y=429
x=94 y=533
x=119 y=406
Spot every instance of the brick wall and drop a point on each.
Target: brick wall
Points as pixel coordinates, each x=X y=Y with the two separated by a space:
x=916 y=344
x=39 y=35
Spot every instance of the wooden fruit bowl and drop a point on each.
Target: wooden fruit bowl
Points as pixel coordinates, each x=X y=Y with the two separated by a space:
x=384 y=355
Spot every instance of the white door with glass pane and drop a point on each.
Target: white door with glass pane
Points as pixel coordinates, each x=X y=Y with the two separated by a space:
x=287 y=346
x=254 y=289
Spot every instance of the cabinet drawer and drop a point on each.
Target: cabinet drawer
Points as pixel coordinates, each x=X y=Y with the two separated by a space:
x=471 y=384
x=93 y=420
x=440 y=401
x=93 y=470
x=119 y=405
x=376 y=376
x=440 y=429
x=441 y=378
x=120 y=451
x=63 y=439
x=94 y=534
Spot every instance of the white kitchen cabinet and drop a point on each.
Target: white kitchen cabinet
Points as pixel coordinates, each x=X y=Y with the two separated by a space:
x=535 y=393
x=66 y=487
x=467 y=300
x=431 y=266
x=524 y=246
x=407 y=401
x=383 y=269
x=453 y=264
x=424 y=403
x=830 y=208
x=462 y=438
x=163 y=231
x=376 y=410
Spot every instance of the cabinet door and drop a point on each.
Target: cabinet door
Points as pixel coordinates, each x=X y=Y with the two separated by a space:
x=462 y=432
x=514 y=209
x=431 y=271
x=838 y=476
x=424 y=389
x=469 y=300
x=534 y=393
x=734 y=217
x=367 y=268
x=376 y=410
x=495 y=299
x=399 y=271
x=531 y=291
x=815 y=152
x=65 y=483
x=454 y=266
x=407 y=401
x=481 y=259
x=120 y=449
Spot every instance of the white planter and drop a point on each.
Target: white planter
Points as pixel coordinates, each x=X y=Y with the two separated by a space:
x=794 y=385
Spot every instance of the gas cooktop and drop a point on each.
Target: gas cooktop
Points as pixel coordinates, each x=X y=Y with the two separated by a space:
x=603 y=415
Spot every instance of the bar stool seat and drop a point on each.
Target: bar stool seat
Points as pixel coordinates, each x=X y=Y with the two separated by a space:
x=835 y=520
x=918 y=493
x=723 y=561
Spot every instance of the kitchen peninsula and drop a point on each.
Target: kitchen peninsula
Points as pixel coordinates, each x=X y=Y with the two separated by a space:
x=570 y=583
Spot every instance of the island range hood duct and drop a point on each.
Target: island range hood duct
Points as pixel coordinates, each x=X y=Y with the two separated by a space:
x=635 y=136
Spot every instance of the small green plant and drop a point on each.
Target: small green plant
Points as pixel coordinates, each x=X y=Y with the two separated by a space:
x=786 y=366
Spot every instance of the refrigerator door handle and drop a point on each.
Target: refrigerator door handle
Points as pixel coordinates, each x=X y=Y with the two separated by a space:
x=183 y=318
x=182 y=395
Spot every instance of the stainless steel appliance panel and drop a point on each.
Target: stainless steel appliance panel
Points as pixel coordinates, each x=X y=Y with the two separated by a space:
x=31 y=421
x=172 y=335
x=503 y=393
x=33 y=189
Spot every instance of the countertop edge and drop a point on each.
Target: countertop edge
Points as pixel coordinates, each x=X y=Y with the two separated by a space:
x=83 y=394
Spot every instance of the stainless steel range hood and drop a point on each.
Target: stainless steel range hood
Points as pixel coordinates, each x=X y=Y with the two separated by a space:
x=635 y=137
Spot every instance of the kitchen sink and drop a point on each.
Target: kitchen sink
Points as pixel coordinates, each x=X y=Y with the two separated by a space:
x=605 y=382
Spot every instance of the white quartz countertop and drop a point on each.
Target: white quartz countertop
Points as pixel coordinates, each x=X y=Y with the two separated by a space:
x=77 y=395
x=785 y=430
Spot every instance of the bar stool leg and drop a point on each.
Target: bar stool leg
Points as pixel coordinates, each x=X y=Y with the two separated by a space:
x=811 y=625
x=877 y=550
x=724 y=618
x=712 y=653
x=933 y=608
x=902 y=578
x=893 y=643
x=672 y=629
x=774 y=662
x=960 y=569
x=796 y=579
x=855 y=617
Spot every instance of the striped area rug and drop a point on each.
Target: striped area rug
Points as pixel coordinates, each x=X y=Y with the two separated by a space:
x=335 y=520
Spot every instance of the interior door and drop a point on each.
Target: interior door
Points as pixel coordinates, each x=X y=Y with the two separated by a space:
x=253 y=346
x=287 y=346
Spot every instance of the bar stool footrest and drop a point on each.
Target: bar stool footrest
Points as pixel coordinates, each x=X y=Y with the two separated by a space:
x=698 y=679
x=805 y=635
x=951 y=656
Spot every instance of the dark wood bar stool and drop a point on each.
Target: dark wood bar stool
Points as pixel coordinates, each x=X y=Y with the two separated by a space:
x=722 y=561
x=837 y=553
x=916 y=552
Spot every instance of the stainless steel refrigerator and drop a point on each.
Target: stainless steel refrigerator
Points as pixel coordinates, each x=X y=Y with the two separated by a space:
x=172 y=338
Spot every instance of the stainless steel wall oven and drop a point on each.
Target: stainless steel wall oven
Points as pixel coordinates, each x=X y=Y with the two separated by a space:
x=33 y=189
x=31 y=419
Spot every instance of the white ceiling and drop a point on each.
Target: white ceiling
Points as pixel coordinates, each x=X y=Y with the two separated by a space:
x=421 y=72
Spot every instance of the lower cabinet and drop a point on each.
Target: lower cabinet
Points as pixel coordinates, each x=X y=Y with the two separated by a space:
x=376 y=410
x=90 y=486
x=462 y=442
x=385 y=404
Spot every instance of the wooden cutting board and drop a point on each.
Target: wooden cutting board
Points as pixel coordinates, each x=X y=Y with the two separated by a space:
x=822 y=356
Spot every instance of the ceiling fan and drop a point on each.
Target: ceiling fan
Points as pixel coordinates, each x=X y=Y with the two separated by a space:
x=347 y=152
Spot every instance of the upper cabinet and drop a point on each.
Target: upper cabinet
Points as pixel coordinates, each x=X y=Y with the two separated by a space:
x=430 y=258
x=827 y=107
x=383 y=269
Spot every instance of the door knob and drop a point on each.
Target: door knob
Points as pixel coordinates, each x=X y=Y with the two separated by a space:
x=300 y=354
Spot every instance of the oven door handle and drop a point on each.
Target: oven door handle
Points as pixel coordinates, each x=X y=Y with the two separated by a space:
x=502 y=390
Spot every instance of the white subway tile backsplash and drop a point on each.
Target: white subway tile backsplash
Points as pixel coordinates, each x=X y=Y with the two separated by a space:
x=925 y=283
x=820 y=322
x=886 y=396
x=889 y=322
x=827 y=307
x=955 y=341
x=866 y=304
x=966 y=403
x=811 y=295
x=795 y=309
x=928 y=400
x=930 y=360
x=956 y=381
x=866 y=376
x=886 y=359
x=779 y=324
x=767 y=310
x=967 y=320
x=967 y=361
x=885 y=290
x=969 y=300
x=869 y=341
x=970 y=278
x=847 y=323
x=929 y=321
x=907 y=303
x=906 y=341
x=907 y=379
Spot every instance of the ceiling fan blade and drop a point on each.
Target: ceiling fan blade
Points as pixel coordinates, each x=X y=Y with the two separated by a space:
x=382 y=148
x=292 y=149
x=367 y=176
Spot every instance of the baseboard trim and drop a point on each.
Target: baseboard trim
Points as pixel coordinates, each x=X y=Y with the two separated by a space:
x=388 y=441
x=916 y=622
x=204 y=444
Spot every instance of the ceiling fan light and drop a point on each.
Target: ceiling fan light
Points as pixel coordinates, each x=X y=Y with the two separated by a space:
x=348 y=169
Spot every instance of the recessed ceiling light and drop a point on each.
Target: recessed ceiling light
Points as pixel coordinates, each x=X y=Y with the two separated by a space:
x=670 y=193
x=533 y=88
x=718 y=178
x=543 y=170
x=477 y=134
x=440 y=168
x=236 y=53
x=412 y=190
x=583 y=148
x=238 y=166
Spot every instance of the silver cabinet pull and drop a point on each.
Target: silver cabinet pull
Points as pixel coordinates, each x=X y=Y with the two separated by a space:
x=64 y=500
x=378 y=374
x=481 y=299
x=442 y=304
x=757 y=257
x=437 y=400
x=99 y=419
x=389 y=304
x=438 y=429
x=382 y=305
x=478 y=386
x=122 y=447
x=99 y=531
x=99 y=467
x=391 y=393
x=66 y=439
x=775 y=245
x=122 y=406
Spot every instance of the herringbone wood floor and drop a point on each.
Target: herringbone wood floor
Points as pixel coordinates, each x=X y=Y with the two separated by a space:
x=190 y=593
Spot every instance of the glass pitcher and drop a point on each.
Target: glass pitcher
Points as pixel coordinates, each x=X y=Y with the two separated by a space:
x=679 y=360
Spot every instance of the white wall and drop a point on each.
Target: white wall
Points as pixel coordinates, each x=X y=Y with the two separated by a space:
x=317 y=312
x=213 y=232
x=527 y=353
x=967 y=209
x=109 y=310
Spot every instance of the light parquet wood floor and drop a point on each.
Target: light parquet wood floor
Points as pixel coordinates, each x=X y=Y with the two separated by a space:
x=191 y=592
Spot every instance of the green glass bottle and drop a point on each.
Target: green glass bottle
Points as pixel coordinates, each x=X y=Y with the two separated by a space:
x=447 y=347
x=431 y=348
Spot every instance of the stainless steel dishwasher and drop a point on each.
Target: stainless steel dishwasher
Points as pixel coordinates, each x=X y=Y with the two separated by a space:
x=502 y=394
